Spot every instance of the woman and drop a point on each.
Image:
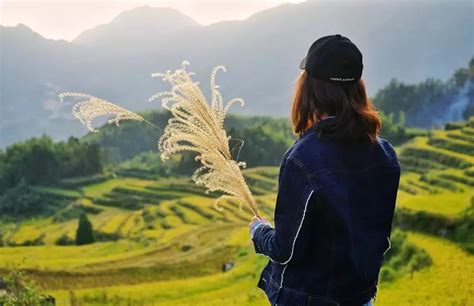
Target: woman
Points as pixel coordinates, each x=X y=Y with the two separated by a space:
x=337 y=189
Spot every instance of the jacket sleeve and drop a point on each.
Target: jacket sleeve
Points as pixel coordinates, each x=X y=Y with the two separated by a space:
x=294 y=194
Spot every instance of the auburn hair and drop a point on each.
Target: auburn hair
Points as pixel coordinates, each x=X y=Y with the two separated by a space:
x=355 y=120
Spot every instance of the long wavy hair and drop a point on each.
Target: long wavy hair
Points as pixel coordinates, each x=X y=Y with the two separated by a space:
x=355 y=120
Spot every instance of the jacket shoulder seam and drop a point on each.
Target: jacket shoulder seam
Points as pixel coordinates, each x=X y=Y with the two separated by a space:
x=300 y=165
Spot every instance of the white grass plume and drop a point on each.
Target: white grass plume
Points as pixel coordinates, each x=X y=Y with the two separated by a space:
x=198 y=126
x=94 y=107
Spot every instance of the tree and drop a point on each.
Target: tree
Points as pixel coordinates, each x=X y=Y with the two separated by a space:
x=425 y=103
x=21 y=200
x=84 y=233
x=40 y=161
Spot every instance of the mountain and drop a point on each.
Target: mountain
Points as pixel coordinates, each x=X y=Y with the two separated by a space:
x=139 y=25
x=407 y=40
x=29 y=83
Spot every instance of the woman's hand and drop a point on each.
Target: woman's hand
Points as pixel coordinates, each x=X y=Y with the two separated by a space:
x=256 y=223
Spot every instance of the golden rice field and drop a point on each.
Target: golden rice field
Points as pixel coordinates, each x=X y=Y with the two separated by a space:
x=165 y=244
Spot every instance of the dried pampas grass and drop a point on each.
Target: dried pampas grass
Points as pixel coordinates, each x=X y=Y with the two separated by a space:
x=198 y=126
x=94 y=107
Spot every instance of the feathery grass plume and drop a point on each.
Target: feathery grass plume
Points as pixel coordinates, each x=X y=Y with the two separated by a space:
x=94 y=107
x=198 y=126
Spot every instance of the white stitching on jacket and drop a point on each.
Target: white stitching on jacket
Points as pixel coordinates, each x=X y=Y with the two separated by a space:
x=389 y=245
x=282 y=276
x=294 y=240
x=298 y=231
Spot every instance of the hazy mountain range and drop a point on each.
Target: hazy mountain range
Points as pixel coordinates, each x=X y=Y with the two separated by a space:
x=407 y=40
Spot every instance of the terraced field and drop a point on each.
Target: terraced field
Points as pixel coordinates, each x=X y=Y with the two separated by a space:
x=164 y=243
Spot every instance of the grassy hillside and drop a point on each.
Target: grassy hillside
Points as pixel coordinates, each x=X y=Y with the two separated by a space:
x=162 y=242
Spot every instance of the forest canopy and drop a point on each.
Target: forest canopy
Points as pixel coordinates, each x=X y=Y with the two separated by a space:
x=40 y=161
x=429 y=102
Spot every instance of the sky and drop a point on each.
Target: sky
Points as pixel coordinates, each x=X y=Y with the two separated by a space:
x=66 y=19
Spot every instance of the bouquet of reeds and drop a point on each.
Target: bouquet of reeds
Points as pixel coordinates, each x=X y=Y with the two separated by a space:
x=196 y=125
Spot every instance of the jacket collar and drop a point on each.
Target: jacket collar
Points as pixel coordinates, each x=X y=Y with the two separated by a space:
x=315 y=126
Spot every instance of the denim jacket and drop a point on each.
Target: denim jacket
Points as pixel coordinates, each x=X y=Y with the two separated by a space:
x=333 y=219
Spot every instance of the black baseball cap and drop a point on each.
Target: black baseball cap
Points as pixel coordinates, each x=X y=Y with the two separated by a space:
x=335 y=59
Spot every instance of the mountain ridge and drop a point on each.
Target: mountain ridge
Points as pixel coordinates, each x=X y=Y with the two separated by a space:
x=144 y=17
x=412 y=42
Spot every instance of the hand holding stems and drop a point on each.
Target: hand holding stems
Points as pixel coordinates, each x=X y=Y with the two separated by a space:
x=256 y=223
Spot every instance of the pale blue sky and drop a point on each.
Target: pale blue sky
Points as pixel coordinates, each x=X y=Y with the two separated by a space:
x=65 y=19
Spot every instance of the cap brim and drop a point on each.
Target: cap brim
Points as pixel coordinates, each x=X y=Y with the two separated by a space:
x=303 y=63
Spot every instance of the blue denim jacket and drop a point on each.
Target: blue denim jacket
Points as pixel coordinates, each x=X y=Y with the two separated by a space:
x=333 y=219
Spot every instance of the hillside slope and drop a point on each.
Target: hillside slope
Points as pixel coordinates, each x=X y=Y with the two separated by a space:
x=163 y=243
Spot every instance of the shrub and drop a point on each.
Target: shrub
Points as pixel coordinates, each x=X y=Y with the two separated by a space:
x=84 y=233
x=34 y=242
x=403 y=257
x=22 y=290
x=25 y=201
x=165 y=225
x=147 y=216
x=186 y=247
x=387 y=274
x=65 y=240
